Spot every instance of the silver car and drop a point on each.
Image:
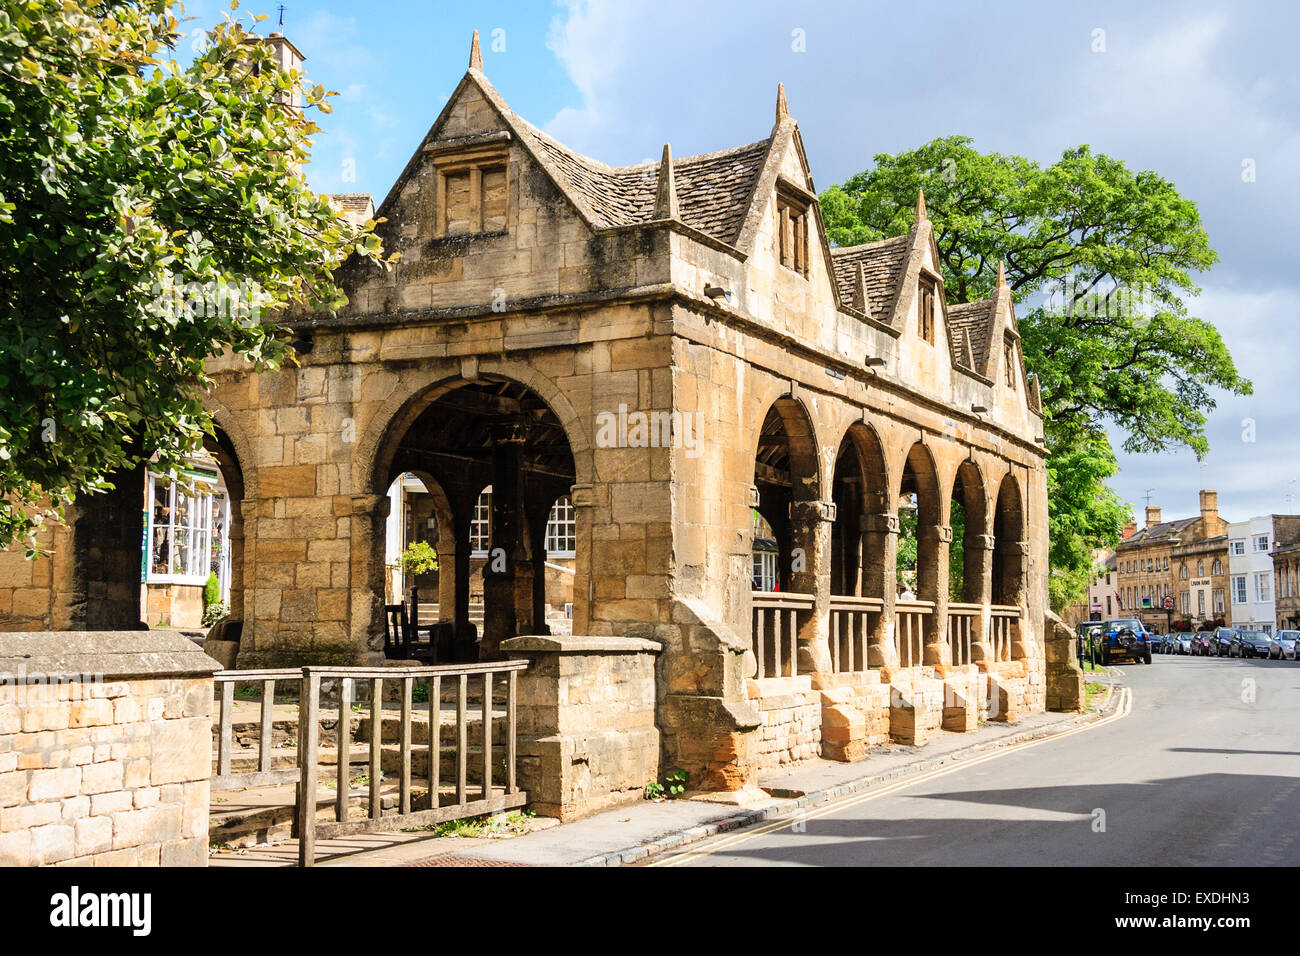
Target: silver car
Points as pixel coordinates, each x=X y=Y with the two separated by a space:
x=1284 y=644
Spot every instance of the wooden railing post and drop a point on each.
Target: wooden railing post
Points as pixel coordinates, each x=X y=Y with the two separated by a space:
x=308 y=731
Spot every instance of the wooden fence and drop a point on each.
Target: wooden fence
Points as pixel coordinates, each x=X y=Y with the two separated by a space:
x=462 y=802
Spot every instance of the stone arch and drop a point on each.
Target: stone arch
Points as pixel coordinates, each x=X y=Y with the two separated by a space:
x=466 y=434
x=226 y=420
x=970 y=530
x=418 y=388
x=787 y=476
x=919 y=477
x=860 y=490
x=1009 y=545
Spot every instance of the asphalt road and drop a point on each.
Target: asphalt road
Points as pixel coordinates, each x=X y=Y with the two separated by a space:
x=1204 y=770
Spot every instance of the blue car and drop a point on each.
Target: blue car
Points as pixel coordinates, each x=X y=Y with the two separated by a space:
x=1125 y=638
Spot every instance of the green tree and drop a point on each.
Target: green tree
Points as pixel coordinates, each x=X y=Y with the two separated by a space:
x=1099 y=260
x=152 y=214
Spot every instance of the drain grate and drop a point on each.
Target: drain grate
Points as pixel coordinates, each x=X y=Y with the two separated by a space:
x=461 y=861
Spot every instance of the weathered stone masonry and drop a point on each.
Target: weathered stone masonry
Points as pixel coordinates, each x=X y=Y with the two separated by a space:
x=540 y=292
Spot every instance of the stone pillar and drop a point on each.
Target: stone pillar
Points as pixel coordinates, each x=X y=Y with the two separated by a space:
x=880 y=579
x=810 y=527
x=587 y=738
x=369 y=533
x=461 y=516
x=1012 y=557
x=500 y=618
x=932 y=585
x=539 y=513
x=979 y=562
x=236 y=536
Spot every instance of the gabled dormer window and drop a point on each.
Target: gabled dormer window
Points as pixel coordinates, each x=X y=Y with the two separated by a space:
x=926 y=310
x=792 y=231
x=473 y=193
x=1009 y=363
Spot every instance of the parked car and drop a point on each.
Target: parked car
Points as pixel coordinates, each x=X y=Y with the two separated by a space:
x=1184 y=643
x=1251 y=644
x=1287 y=644
x=1202 y=643
x=1125 y=637
x=1221 y=642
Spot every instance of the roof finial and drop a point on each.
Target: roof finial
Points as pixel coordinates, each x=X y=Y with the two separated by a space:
x=782 y=108
x=666 y=192
x=920 y=205
x=860 y=300
x=475 y=54
x=1002 y=275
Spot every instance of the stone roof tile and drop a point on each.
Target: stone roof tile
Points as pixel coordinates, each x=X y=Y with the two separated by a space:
x=883 y=264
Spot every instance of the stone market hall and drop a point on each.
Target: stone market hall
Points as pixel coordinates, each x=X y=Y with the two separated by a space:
x=739 y=417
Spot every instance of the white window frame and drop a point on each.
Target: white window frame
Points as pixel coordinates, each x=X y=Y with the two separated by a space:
x=480 y=526
x=204 y=491
x=1256 y=539
x=562 y=529
x=1239 y=593
x=1263 y=587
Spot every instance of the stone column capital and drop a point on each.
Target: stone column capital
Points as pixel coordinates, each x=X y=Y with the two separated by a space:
x=1013 y=546
x=979 y=542
x=941 y=533
x=884 y=521
x=753 y=496
x=581 y=496
x=812 y=511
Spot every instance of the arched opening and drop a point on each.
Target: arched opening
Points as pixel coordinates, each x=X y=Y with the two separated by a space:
x=967 y=559
x=860 y=551
x=785 y=472
x=499 y=459
x=784 y=540
x=1008 y=545
x=918 y=516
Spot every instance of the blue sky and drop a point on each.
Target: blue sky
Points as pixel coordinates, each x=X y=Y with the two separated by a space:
x=1192 y=90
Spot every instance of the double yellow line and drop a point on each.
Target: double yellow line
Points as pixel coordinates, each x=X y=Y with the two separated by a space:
x=723 y=844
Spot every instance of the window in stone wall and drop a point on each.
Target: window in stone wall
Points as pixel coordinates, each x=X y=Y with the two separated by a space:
x=1182 y=572
x=561 y=530
x=1216 y=567
x=480 y=526
x=1009 y=362
x=926 y=306
x=187 y=528
x=792 y=221
x=473 y=194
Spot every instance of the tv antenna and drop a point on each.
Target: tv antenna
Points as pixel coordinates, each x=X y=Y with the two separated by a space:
x=1147 y=497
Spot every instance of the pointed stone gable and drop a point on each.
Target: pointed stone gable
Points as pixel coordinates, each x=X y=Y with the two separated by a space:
x=881 y=264
x=971 y=323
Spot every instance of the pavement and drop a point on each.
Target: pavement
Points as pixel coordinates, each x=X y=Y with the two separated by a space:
x=647 y=830
x=1204 y=771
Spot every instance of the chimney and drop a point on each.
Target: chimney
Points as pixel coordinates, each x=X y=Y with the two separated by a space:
x=1153 y=515
x=286 y=56
x=1209 y=508
x=1129 y=530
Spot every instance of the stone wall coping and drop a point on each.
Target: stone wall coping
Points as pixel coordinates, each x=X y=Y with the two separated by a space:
x=41 y=655
x=577 y=644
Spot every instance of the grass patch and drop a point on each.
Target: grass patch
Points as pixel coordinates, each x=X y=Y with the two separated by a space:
x=508 y=824
x=1093 y=691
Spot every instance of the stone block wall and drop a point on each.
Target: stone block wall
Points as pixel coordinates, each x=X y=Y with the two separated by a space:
x=105 y=749
x=791 y=728
x=855 y=715
x=586 y=729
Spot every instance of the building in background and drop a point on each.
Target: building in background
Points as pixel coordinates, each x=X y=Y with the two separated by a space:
x=1286 y=585
x=1175 y=573
x=1102 y=600
x=1254 y=583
